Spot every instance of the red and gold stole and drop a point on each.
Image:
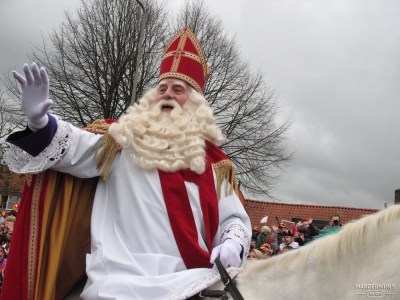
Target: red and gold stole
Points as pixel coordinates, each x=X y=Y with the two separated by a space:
x=180 y=213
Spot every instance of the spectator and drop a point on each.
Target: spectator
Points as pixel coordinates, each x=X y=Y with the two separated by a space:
x=3 y=262
x=255 y=254
x=288 y=239
x=253 y=244
x=7 y=243
x=2 y=216
x=306 y=230
x=334 y=222
x=286 y=249
x=277 y=234
x=255 y=232
x=299 y=237
x=266 y=250
x=332 y=228
x=3 y=232
x=263 y=236
x=10 y=221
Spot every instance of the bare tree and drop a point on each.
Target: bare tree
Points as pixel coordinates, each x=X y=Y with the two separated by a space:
x=245 y=107
x=92 y=58
x=11 y=119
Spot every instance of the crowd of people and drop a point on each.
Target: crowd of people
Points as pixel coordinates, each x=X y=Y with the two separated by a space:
x=283 y=238
x=7 y=221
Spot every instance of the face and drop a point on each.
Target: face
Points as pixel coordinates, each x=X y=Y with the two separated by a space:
x=3 y=229
x=253 y=244
x=287 y=240
x=252 y=255
x=9 y=235
x=173 y=89
x=305 y=225
x=265 y=254
x=335 y=218
x=300 y=226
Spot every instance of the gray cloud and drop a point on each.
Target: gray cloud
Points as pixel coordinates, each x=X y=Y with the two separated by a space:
x=335 y=65
x=22 y=24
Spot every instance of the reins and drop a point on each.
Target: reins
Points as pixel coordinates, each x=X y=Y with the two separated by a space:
x=229 y=284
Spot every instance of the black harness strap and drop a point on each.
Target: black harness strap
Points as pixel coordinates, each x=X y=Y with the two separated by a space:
x=223 y=295
x=230 y=286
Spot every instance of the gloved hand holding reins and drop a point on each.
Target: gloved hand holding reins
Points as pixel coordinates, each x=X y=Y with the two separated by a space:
x=228 y=252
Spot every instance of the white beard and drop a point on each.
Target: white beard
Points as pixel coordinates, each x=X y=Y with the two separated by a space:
x=168 y=140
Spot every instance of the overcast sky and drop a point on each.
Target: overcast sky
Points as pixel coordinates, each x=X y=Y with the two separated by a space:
x=336 y=66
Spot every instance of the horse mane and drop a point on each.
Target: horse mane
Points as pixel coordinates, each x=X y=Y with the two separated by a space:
x=352 y=239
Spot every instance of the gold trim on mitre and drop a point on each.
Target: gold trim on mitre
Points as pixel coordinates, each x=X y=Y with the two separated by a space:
x=184 y=59
x=183 y=77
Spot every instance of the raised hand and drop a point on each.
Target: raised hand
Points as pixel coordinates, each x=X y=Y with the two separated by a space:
x=35 y=95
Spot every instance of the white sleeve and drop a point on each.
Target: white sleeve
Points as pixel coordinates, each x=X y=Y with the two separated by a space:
x=233 y=220
x=70 y=151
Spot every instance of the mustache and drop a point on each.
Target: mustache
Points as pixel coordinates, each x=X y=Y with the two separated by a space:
x=168 y=103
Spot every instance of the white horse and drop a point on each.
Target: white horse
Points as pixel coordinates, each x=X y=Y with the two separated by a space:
x=361 y=260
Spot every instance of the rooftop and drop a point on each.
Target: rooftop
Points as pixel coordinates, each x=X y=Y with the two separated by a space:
x=284 y=211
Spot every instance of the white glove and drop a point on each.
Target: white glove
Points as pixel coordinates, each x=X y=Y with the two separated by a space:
x=228 y=252
x=35 y=93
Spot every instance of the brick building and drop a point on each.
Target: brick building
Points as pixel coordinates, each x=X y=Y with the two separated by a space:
x=11 y=186
x=293 y=212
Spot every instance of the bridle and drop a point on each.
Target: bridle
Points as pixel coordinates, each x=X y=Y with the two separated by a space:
x=229 y=283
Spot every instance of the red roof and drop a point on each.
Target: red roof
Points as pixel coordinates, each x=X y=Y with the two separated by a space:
x=284 y=211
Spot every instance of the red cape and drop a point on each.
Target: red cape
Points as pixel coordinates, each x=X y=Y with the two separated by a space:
x=52 y=233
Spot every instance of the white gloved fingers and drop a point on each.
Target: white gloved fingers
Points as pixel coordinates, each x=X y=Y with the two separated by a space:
x=43 y=76
x=229 y=253
x=36 y=76
x=19 y=78
x=229 y=257
x=215 y=253
x=28 y=74
x=43 y=107
x=35 y=92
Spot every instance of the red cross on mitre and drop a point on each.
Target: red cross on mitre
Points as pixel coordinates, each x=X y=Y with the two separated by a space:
x=184 y=59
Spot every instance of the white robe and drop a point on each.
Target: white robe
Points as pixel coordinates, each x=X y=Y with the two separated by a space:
x=133 y=252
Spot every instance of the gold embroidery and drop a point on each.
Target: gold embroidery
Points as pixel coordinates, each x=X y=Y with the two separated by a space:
x=108 y=148
x=183 y=35
x=28 y=179
x=178 y=53
x=224 y=170
x=105 y=154
x=98 y=126
x=184 y=54
x=33 y=233
x=184 y=77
